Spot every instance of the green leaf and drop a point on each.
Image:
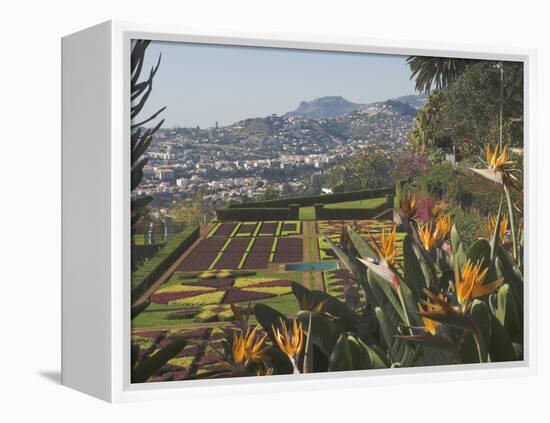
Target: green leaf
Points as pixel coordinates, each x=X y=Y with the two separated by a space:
x=151 y=365
x=333 y=306
x=268 y=317
x=480 y=250
x=413 y=275
x=324 y=333
x=482 y=317
x=138 y=309
x=341 y=357
x=363 y=247
x=500 y=347
x=507 y=313
x=458 y=250
x=389 y=325
x=378 y=357
x=389 y=293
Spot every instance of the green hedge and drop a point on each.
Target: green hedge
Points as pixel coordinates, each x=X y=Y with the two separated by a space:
x=258 y=213
x=325 y=199
x=324 y=213
x=153 y=268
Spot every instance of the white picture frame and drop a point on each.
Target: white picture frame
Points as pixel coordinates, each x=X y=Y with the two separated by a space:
x=96 y=213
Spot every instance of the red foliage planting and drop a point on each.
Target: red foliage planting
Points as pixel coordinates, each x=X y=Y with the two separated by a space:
x=268 y=228
x=201 y=333
x=181 y=375
x=203 y=255
x=150 y=333
x=189 y=351
x=225 y=230
x=289 y=250
x=269 y=284
x=212 y=283
x=210 y=359
x=424 y=206
x=166 y=297
x=235 y=295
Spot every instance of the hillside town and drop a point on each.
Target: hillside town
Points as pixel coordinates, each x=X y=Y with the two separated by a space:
x=239 y=161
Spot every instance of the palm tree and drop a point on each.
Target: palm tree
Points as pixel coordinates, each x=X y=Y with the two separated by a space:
x=436 y=72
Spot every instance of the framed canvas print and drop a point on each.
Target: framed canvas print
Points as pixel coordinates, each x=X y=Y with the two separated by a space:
x=249 y=212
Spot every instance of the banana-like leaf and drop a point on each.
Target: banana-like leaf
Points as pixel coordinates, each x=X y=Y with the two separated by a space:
x=390 y=296
x=378 y=358
x=457 y=247
x=480 y=250
x=359 y=354
x=324 y=332
x=138 y=309
x=363 y=247
x=151 y=365
x=279 y=361
x=413 y=275
x=341 y=358
x=482 y=317
x=347 y=317
x=268 y=318
x=508 y=314
x=500 y=346
x=511 y=274
x=389 y=324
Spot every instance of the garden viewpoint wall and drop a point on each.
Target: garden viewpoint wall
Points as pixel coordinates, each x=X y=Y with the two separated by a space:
x=289 y=209
x=324 y=213
x=153 y=268
x=318 y=199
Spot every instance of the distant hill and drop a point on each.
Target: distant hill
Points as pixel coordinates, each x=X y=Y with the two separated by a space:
x=413 y=100
x=324 y=108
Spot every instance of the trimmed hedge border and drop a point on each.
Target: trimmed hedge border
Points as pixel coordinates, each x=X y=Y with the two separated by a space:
x=310 y=201
x=323 y=213
x=146 y=275
x=253 y=214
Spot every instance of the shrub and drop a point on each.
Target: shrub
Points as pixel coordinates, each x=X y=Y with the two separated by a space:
x=436 y=179
x=468 y=190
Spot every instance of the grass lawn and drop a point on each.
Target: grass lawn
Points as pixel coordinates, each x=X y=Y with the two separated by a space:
x=371 y=203
x=307 y=213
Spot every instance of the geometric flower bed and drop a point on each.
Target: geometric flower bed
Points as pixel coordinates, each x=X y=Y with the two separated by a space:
x=233 y=254
x=226 y=290
x=268 y=228
x=258 y=256
x=289 y=250
x=202 y=255
x=224 y=230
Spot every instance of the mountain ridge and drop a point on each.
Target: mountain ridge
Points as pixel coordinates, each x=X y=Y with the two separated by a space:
x=328 y=107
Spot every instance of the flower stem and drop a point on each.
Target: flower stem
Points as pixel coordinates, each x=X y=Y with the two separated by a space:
x=512 y=221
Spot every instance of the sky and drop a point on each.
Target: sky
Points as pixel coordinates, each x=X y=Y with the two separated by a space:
x=204 y=83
